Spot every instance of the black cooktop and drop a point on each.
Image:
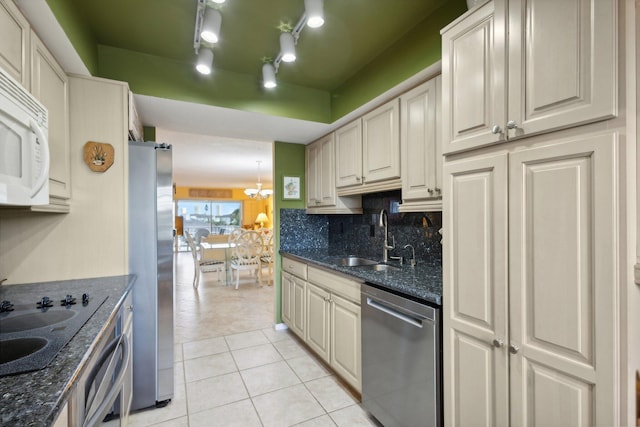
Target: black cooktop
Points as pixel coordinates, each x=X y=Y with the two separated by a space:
x=31 y=334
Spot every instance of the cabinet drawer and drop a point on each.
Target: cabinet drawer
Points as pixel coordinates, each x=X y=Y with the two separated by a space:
x=296 y=268
x=336 y=283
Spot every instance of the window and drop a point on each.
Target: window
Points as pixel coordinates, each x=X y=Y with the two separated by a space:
x=214 y=217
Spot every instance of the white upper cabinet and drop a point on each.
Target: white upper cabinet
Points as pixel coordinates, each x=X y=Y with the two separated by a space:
x=514 y=68
x=50 y=85
x=381 y=143
x=349 y=154
x=368 y=152
x=14 y=42
x=421 y=151
x=321 y=180
x=321 y=188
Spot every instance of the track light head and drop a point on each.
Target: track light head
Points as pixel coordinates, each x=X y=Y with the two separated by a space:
x=205 y=61
x=211 y=26
x=315 y=13
x=268 y=76
x=287 y=47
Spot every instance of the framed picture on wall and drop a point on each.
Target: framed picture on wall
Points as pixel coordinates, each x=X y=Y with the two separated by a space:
x=291 y=188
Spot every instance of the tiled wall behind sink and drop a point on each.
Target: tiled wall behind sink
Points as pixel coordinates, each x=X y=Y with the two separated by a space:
x=360 y=234
x=301 y=231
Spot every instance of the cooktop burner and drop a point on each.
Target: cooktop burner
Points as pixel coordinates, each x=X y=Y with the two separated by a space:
x=31 y=334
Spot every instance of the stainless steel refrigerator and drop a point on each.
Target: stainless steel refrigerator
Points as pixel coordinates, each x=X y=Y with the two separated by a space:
x=151 y=260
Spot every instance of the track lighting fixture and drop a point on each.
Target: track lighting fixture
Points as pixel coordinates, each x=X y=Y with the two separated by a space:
x=287 y=47
x=268 y=76
x=314 y=11
x=313 y=16
x=205 y=61
x=211 y=26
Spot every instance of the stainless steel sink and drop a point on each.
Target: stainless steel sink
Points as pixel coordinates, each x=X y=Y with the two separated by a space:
x=24 y=322
x=379 y=267
x=20 y=347
x=354 y=261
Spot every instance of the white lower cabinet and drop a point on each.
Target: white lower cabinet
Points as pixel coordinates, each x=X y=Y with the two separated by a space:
x=318 y=320
x=333 y=323
x=293 y=312
x=63 y=418
x=530 y=285
x=323 y=309
x=345 y=340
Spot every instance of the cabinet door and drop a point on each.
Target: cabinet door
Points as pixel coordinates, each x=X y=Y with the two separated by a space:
x=345 y=345
x=349 y=154
x=562 y=63
x=381 y=143
x=419 y=144
x=327 y=172
x=473 y=80
x=562 y=266
x=14 y=42
x=313 y=159
x=50 y=85
x=286 y=306
x=317 y=333
x=475 y=322
x=298 y=306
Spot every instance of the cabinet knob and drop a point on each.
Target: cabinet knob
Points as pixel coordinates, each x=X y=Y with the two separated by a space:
x=437 y=190
x=358 y=178
x=513 y=349
x=511 y=124
x=429 y=190
x=497 y=343
x=496 y=130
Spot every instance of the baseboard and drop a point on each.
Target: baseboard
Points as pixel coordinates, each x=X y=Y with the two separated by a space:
x=280 y=326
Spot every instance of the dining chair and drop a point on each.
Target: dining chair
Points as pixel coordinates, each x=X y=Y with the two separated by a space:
x=246 y=255
x=202 y=264
x=234 y=233
x=200 y=233
x=267 y=256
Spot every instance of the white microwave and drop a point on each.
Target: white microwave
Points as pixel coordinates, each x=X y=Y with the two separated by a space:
x=24 y=146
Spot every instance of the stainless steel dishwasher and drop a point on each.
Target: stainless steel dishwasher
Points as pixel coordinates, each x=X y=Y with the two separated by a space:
x=401 y=360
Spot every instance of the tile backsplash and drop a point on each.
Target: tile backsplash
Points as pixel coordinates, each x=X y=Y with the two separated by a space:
x=360 y=234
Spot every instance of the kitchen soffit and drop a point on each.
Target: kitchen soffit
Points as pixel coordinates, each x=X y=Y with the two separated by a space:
x=355 y=33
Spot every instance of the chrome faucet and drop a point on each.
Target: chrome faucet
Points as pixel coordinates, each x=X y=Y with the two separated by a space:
x=384 y=223
x=413 y=254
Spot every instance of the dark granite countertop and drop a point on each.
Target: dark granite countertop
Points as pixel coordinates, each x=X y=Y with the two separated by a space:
x=35 y=398
x=422 y=282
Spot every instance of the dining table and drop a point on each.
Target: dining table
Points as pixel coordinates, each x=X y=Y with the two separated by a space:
x=213 y=250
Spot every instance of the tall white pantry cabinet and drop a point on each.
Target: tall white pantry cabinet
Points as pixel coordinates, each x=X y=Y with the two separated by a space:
x=540 y=215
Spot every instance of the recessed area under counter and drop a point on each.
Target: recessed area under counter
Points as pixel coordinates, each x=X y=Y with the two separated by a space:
x=36 y=398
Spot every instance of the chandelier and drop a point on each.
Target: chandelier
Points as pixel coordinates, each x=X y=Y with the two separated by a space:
x=258 y=193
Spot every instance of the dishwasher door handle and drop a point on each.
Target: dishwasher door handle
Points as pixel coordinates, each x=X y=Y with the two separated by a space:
x=391 y=312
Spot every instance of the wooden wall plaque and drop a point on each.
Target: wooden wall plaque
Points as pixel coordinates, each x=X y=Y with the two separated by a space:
x=98 y=156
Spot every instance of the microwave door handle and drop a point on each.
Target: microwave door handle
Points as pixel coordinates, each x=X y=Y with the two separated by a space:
x=44 y=170
x=93 y=416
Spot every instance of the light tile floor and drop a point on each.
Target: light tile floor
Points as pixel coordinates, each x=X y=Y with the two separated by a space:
x=233 y=369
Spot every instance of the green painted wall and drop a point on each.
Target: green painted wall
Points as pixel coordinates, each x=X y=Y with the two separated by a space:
x=78 y=32
x=156 y=76
x=418 y=49
x=149 y=133
x=288 y=160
